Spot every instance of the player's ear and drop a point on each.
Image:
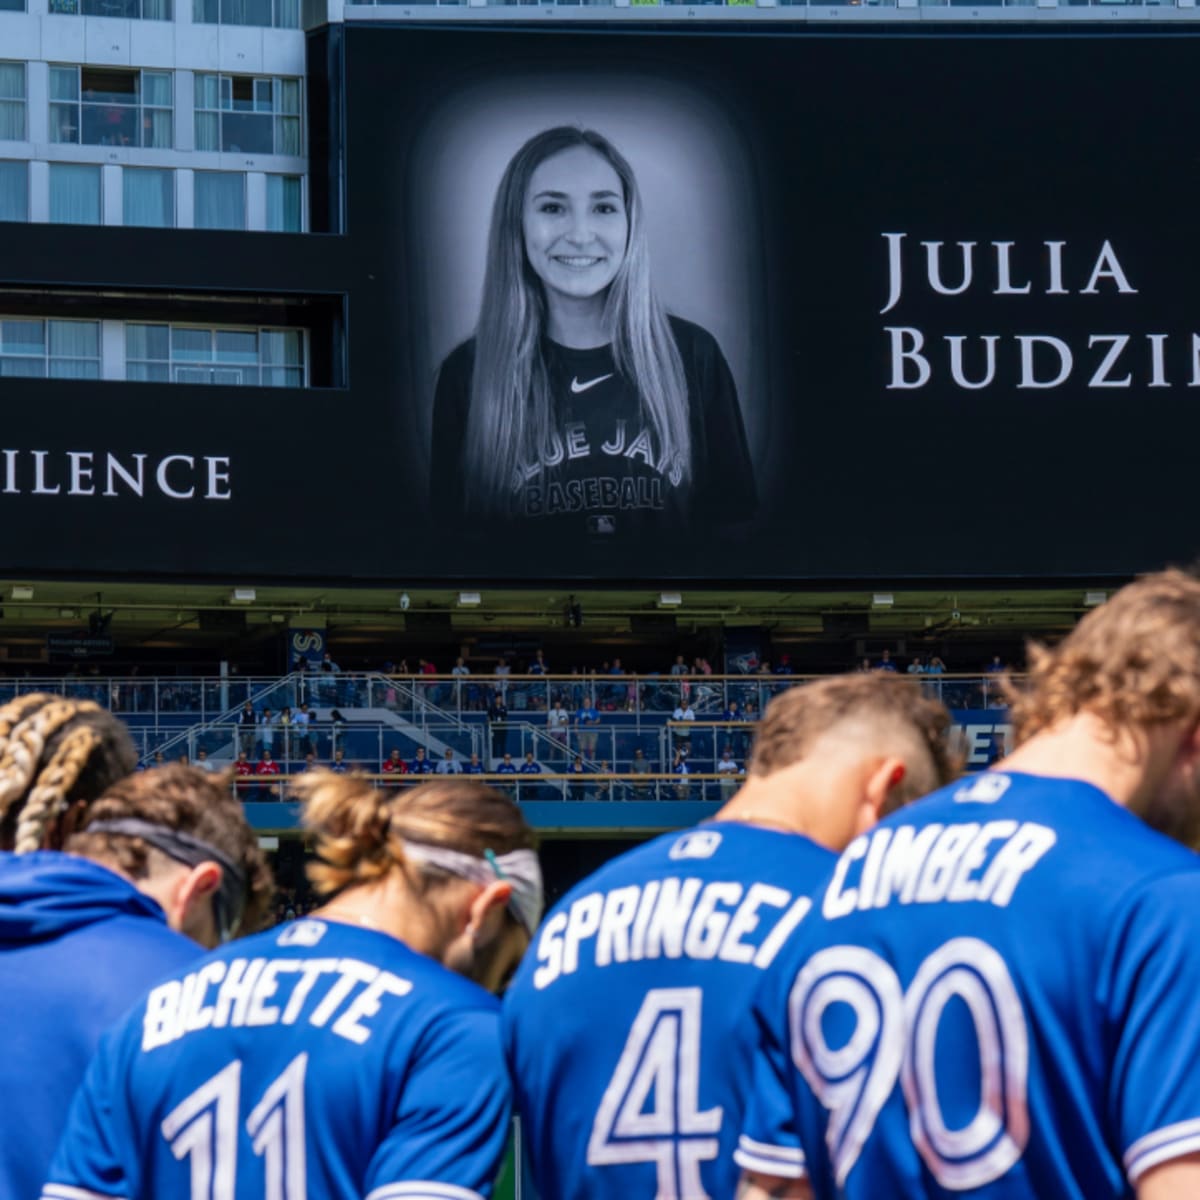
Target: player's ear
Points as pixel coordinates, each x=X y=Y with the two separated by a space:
x=193 y=909
x=882 y=794
x=485 y=916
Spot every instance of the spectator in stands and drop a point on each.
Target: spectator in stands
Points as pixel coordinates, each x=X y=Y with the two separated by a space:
x=996 y=666
x=502 y=671
x=558 y=724
x=242 y=768
x=885 y=662
x=679 y=766
x=916 y=667
x=616 y=693
x=337 y=727
x=497 y=717
x=338 y=766
x=247 y=720
x=420 y=764
x=310 y=762
x=160 y=759
x=267 y=765
x=640 y=765
x=586 y=721
x=681 y=735
x=701 y=666
x=679 y=667
x=538 y=666
x=449 y=764
x=864 y=665
x=202 y=761
x=182 y=760
x=285 y=730
x=785 y=665
x=577 y=787
x=935 y=666
x=301 y=719
x=602 y=781
x=530 y=767
x=462 y=693
x=727 y=767
x=474 y=767
x=506 y=766
x=328 y=686
x=266 y=731
x=394 y=764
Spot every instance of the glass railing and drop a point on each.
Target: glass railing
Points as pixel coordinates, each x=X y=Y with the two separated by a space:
x=500 y=699
x=546 y=785
x=362 y=745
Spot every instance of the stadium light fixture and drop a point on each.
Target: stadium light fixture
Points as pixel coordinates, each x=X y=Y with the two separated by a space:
x=243 y=596
x=1094 y=599
x=670 y=599
x=882 y=600
x=469 y=599
x=22 y=593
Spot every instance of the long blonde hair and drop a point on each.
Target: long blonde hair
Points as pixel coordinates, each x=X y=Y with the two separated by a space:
x=510 y=419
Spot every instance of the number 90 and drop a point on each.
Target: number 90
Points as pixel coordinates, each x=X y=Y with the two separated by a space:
x=894 y=1036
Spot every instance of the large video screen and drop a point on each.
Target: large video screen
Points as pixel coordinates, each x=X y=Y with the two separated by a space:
x=770 y=304
x=661 y=303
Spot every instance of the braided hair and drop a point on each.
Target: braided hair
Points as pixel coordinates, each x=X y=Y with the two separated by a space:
x=54 y=752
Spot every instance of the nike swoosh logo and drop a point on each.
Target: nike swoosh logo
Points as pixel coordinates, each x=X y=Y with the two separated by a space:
x=577 y=387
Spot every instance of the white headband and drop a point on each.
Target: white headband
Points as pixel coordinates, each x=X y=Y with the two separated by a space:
x=518 y=867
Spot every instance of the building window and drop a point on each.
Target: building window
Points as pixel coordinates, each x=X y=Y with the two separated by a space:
x=50 y=349
x=230 y=357
x=12 y=102
x=146 y=10
x=99 y=106
x=284 y=204
x=220 y=200
x=14 y=191
x=244 y=114
x=149 y=196
x=282 y=14
x=74 y=194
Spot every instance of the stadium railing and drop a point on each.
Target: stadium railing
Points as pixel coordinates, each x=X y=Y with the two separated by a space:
x=619 y=788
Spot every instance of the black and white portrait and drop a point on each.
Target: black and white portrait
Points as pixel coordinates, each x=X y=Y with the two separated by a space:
x=589 y=285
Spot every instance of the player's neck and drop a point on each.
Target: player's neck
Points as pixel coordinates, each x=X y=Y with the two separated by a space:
x=577 y=322
x=762 y=802
x=1084 y=748
x=386 y=906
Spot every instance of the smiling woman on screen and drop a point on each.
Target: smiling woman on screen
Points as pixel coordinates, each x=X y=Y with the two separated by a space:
x=579 y=400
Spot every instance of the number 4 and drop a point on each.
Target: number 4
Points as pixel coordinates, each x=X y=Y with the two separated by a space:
x=204 y=1127
x=650 y=1111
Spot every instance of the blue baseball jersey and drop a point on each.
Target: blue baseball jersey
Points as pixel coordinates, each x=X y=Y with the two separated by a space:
x=318 y=1059
x=627 y=1027
x=995 y=997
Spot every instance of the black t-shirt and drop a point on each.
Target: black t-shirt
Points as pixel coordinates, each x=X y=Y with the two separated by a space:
x=601 y=474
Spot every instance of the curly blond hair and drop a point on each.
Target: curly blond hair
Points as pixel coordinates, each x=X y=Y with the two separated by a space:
x=53 y=753
x=1135 y=661
x=187 y=800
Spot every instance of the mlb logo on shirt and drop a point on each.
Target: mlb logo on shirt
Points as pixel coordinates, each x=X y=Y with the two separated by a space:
x=702 y=843
x=302 y=933
x=986 y=789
